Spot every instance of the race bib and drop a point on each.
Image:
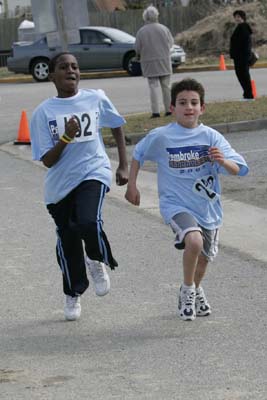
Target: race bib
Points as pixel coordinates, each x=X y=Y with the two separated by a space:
x=87 y=125
x=203 y=187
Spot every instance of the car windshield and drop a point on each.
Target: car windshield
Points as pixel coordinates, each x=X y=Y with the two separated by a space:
x=119 y=36
x=40 y=41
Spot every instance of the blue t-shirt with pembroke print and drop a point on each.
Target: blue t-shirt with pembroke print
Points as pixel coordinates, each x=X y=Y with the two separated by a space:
x=85 y=157
x=187 y=179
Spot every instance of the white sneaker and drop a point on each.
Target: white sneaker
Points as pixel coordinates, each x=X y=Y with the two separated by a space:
x=72 y=308
x=202 y=306
x=186 y=304
x=99 y=275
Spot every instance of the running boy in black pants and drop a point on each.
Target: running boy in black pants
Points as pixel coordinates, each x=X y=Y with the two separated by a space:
x=66 y=137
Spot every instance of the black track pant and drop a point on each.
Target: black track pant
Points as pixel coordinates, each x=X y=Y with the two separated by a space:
x=78 y=220
x=243 y=76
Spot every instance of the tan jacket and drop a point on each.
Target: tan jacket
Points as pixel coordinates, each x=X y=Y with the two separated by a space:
x=153 y=43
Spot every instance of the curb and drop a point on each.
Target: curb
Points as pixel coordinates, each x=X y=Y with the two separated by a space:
x=122 y=73
x=241 y=126
x=84 y=75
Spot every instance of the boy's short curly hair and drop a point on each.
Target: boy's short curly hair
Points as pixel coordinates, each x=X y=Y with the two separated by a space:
x=54 y=60
x=187 y=84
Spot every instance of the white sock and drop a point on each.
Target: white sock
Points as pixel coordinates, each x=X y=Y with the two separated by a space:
x=192 y=287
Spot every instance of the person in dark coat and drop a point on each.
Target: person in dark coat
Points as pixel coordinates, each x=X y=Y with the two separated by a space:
x=240 y=52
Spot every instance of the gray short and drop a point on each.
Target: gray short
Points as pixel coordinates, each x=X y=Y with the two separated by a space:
x=183 y=223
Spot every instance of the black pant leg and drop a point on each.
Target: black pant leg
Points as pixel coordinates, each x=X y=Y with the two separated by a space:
x=243 y=76
x=89 y=197
x=69 y=249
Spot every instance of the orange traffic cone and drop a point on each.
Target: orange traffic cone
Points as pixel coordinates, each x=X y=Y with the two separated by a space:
x=254 y=90
x=222 y=63
x=24 y=131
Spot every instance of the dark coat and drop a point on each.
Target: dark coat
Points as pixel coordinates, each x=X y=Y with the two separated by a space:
x=240 y=43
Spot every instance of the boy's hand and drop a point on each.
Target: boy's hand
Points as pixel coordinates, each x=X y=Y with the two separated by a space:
x=72 y=127
x=133 y=195
x=122 y=176
x=216 y=155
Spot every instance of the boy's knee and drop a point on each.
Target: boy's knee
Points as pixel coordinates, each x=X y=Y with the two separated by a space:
x=194 y=242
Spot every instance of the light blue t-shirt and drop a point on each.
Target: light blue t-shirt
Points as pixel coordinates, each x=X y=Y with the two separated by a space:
x=187 y=180
x=84 y=158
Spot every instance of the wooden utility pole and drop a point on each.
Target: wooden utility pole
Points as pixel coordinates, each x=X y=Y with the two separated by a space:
x=5 y=9
x=61 y=25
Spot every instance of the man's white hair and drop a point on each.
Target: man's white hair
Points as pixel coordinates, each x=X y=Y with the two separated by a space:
x=150 y=14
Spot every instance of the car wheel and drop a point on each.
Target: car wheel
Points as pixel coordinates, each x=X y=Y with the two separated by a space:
x=40 y=70
x=132 y=66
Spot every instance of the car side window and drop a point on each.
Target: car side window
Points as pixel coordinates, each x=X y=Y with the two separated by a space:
x=92 y=37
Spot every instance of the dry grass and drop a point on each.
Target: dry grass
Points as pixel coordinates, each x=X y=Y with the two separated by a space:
x=218 y=112
x=5 y=73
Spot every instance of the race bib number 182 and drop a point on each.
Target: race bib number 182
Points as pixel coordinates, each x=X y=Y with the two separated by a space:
x=87 y=125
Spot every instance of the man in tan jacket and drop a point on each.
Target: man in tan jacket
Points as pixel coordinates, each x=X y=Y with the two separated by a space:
x=152 y=46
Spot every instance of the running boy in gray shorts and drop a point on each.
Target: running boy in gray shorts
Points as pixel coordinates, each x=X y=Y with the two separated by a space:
x=182 y=224
x=189 y=156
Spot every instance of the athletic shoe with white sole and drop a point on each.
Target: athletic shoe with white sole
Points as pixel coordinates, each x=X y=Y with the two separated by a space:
x=202 y=306
x=186 y=304
x=72 y=308
x=99 y=276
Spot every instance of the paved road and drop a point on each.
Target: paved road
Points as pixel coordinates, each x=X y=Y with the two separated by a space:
x=129 y=345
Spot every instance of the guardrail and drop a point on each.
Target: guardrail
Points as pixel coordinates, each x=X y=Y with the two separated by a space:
x=4 y=54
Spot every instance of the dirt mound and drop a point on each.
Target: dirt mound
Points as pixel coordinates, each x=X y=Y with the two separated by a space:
x=211 y=35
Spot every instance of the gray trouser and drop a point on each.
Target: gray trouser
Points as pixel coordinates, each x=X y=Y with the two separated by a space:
x=154 y=88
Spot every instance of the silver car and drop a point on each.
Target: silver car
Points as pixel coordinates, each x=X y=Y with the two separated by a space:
x=100 y=48
x=178 y=57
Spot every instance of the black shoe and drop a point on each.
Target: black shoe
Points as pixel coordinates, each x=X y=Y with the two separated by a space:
x=167 y=113
x=127 y=140
x=155 y=115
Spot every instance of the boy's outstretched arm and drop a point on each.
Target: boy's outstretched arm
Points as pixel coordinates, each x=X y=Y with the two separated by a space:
x=132 y=193
x=217 y=155
x=122 y=170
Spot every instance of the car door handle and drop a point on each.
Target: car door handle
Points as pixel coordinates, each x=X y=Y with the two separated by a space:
x=52 y=49
x=86 y=48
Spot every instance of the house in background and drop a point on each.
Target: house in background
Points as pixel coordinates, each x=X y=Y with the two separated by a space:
x=14 y=8
x=18 y=7
x=106 y=5
x=12 y=4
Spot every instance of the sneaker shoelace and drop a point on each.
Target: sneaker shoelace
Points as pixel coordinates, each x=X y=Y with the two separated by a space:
x=201 y=296
x=97 y=271
x=188 y=298
x=72 y=301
